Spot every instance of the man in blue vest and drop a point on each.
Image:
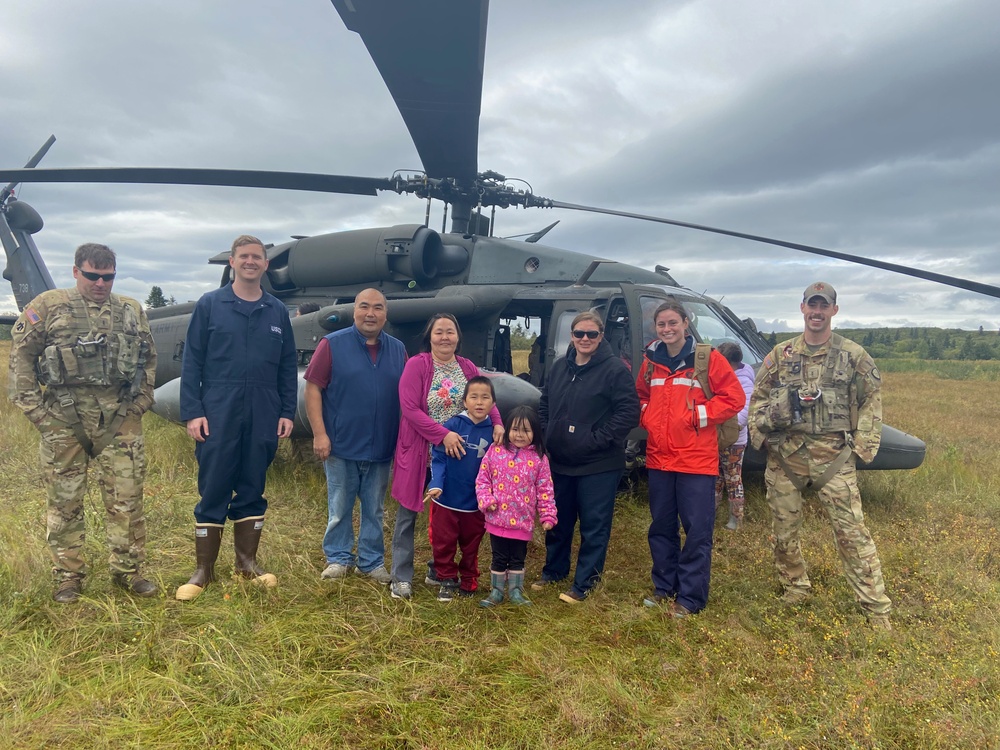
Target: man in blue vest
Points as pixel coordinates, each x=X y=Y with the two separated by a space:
x=238 y=397
x=352 y=400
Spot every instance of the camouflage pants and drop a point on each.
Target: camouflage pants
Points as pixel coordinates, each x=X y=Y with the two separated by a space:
x=841 y=500
x=120 y=469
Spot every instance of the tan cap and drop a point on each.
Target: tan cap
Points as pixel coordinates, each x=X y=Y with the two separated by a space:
x=820 y=289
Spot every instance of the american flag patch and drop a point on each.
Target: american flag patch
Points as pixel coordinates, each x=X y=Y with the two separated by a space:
x=31 y=315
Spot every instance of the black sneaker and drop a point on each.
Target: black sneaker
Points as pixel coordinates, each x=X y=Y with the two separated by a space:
x=431 y=578
x=467 y=594
x=447 y=591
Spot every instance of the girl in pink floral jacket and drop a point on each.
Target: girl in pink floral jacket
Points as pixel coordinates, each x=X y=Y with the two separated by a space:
x=514 y=484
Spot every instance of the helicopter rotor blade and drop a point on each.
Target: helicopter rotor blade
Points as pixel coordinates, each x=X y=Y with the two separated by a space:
x=321 y=183
x=433 y=68
x=972 y=286
x=32 y=162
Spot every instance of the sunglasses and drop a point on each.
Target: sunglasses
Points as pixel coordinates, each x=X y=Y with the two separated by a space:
x=91 y=276
x=589 y=334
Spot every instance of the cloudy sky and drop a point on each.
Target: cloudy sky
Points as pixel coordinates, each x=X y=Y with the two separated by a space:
x=870 y=128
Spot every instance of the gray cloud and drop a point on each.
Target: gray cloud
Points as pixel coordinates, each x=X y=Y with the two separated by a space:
x=868 y=128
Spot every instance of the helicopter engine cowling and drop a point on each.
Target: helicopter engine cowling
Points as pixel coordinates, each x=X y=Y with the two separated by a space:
x=405 y=251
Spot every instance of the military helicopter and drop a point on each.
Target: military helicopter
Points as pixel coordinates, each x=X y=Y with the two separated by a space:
x=487 y=282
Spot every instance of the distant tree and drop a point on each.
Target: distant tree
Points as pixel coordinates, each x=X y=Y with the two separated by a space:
x=933 y=351
x=772 y=339
x=172 y=301
x=946 y=341
x=156 y=298
x=966 y=351
x=521 y=339
x=869 y=338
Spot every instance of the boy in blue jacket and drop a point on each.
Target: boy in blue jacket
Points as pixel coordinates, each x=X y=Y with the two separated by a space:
x=457 y=523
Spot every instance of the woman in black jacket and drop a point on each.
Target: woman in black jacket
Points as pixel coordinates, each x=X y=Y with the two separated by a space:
x=588 y=407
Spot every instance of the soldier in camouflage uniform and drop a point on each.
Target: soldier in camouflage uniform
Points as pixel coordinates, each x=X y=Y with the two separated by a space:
x=82 y=369
x=817 y=408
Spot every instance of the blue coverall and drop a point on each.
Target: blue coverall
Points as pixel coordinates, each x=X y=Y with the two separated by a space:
x=240 y=373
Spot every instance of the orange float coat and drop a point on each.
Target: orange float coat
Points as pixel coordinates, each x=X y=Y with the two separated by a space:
x=679 y=418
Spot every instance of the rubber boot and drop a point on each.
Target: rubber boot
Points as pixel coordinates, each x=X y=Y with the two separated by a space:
x=246 y=539
x=497 y=583
x=515 y=587
x=735 y=516
x=207 y=540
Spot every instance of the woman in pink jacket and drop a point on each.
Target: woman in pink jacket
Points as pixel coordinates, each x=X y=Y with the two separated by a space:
x=430 y=393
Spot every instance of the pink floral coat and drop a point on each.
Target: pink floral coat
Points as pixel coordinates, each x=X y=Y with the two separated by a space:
x=514 y=484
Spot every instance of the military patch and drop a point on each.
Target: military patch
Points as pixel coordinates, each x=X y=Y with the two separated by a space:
x=768 y=362
x=19 y=328
x=875 y=373
x=787 y=352
x=33 y=317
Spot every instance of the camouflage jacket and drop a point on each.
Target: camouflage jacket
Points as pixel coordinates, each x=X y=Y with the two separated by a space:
x=63 y=341
x=841 y=400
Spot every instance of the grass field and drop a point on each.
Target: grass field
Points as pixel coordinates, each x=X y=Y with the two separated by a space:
x=316 y=664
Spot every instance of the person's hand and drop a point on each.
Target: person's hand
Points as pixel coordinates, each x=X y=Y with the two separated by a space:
x=548 y=525
x=321 y=446
x=432 y=494
x=198 y=428
x=453 y=445
x=498 y=434
x=285 y=427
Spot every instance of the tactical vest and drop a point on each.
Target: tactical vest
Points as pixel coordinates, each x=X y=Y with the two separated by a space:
x=81 y=354
x=824 y=402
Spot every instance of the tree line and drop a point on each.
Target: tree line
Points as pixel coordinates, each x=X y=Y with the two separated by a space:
x=919 y=343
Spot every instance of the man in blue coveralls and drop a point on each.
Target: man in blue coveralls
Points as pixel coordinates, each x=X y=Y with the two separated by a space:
x=238 y=394
x=352 y=399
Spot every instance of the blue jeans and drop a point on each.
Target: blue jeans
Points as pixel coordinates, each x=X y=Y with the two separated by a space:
x=347 y=481
x=687 y=499
x=591 y=500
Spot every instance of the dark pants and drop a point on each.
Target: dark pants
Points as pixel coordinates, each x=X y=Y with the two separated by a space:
x=684 y=572
x=233 y=460
x=453 y=531
x=508 y=554
x=591 y=500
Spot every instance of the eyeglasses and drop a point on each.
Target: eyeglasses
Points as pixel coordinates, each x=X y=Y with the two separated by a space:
x=91 y=276
x=589 y=334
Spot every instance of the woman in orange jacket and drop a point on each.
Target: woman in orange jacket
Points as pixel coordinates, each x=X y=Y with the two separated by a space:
x=682 y=456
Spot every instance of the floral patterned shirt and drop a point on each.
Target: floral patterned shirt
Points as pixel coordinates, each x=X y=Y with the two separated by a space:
x=444 y=400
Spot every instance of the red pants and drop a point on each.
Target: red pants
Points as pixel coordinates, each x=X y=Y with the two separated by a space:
x=453 y=530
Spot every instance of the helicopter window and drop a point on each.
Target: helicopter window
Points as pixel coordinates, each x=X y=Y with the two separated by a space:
x=706 y=324
x=563 y=335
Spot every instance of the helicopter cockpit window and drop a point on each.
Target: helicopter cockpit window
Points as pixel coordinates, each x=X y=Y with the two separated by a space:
x=706 y=324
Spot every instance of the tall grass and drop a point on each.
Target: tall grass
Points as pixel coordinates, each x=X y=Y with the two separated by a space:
x=316 y=664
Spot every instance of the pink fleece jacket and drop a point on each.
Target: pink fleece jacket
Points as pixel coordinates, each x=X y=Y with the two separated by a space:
x=513 y=484
x=417 y=431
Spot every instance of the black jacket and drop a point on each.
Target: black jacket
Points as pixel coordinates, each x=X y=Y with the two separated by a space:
x=587 y=412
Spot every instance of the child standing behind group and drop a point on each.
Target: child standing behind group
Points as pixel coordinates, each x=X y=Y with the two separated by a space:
x=731 y=459
x=457 y=522
x=514 y=484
